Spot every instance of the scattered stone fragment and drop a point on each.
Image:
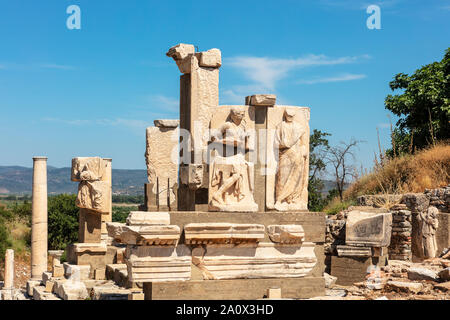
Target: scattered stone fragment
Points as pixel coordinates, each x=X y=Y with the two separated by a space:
x=329 y=280
x=421 y=274
x=408 y=287
x=444 y=274
x=263 y=100
x=71 y=290
x=445 y=287
x=166 y=123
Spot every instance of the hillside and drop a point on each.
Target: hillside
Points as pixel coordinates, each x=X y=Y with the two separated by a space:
x=427 y=169
x=18 y=180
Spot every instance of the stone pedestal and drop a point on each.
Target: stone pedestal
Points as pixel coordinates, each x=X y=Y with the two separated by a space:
x=88 y=254
x=90 y=226
x=39 y=219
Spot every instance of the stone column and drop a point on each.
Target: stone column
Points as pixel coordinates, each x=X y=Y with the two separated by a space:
x=9 y=270
x=39 y=219
x=107 y=217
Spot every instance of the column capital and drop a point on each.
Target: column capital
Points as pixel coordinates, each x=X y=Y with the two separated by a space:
x=40 y=158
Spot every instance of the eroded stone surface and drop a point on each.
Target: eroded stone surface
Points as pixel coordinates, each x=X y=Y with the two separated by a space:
x=144 y=235
x=263 y=100
x=286 y=233
x=353 y=251
x=409 y=287
x=94 y=195
x=166 y=123
x=158 y=264
x=88 y=169
x=225 y=233
x=143 y=218
x=368 y=229
x=210 y=59
x=161 y=157
x=263 y=260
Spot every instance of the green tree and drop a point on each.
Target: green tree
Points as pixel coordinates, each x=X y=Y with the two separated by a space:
x=5 y=242
x=423 y=107
x=62 y=221
x=318 y=146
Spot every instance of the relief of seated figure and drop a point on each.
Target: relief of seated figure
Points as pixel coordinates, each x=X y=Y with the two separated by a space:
x=231 y=176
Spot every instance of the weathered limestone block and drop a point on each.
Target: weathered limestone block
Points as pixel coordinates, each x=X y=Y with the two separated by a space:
x=444 y=274
x=368 y=229
x=40 y=293
x=286 y=233
x=70 y=290
x=181 y=54
x=287 y=158
x=353 y=251
x=58 y=271
x=109 y=293
x=144 y=235
x=94 y=195
x=161 y=157
x=88 y=169
x=158 y=264
x=210 y=59
x=263 y=100
x=143 y=218
x=263 y=260
x=30 y=286
x=166 y=123
x=223 y=233
x=76 y=273
x=201 y=96
x=422 y=274
x=92 y=255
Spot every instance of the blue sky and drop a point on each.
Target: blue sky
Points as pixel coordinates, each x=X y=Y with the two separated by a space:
x=67 y=93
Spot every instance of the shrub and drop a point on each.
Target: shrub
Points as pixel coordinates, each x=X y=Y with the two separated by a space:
x=5 y=242
x=120 y=214
x=62 y=221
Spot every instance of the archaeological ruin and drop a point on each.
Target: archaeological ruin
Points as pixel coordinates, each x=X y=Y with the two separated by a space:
x=226 y=214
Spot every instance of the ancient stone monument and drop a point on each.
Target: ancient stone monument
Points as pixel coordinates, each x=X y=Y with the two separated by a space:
x=225 y=213
x=226 y=203
x=94 y=201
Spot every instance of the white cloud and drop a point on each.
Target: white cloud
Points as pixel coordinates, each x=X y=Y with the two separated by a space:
x=164 y=103
x=266 y=72
x=340 y=78
x=56 y=66
x=132 y=123
x=357 y=4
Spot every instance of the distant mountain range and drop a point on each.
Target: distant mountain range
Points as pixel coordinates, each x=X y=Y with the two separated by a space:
x=18 y=181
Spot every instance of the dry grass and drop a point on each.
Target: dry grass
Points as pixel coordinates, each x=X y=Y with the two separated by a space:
x=427 y=169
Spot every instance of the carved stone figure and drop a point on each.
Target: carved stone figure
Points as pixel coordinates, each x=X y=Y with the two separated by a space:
x=231 y=178
x=429 y=224
x=292 y=164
